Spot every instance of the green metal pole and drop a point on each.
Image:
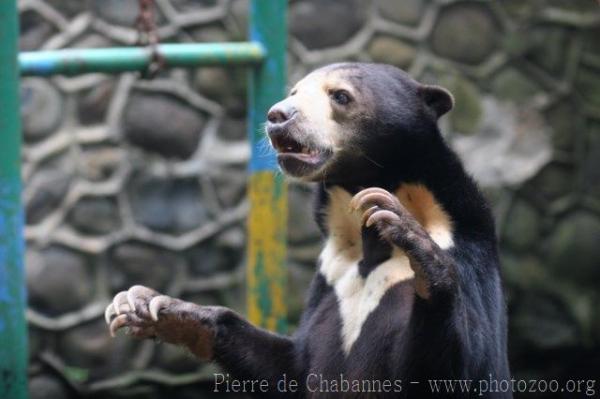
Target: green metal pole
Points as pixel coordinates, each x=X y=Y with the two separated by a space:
x=13 y=330
x=123 y=59
x=266 y=272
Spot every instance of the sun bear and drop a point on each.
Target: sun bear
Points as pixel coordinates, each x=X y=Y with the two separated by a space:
x=407 y=289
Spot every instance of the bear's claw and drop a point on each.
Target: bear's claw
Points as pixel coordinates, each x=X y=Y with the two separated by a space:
x=376 y=204
x=120 y=303
x=109 y=313
x=118 y=322
x=157 y=304
x=393 y=221
x=136 y=308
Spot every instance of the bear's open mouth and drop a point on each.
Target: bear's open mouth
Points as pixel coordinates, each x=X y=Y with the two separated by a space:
x=296 y=158
x=285 y=145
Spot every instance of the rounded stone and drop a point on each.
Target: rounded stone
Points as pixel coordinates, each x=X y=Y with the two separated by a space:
x=311 y=21
x=591 y=166
x=512 y=85
x=388 y=50
x=581 y=6
x=515 y=44
x=595 y=323
x=544 y=321
x=95 y=215
x=591 y=45
x=92 y=104
x=507 y=153
x=134 y=263
x=573 y=251
x=213 y=82
x=407 y=12
x=548 y=47
x=232 y=129
x=44 y=386
x=553 y=182
x=34 y=30
x=227 y=86
x=162 y=124
x=523 y=271
x=119 y=12
x=522 y=227
x=214 y=256
x=465 y=32
x=587 y=84
x=169 y=206
x=467 y=113
x=42 y=108
x=36 y=341
x=230 y=186
x=175 y=360
x=519 y=9
x=302 y=228
x=89 y=347
x=69 y=8
x=239 y=12
x=50 y=186
x=564 y=117
x=59 y=280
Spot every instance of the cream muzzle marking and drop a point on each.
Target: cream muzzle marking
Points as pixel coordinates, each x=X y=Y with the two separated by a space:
x=307 y=128
x=311 y=98
x=358 y=296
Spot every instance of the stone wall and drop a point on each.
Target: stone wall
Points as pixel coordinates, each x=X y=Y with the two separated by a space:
x=133 y=181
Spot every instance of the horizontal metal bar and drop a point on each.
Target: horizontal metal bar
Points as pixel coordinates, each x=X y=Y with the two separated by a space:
x=123 y=59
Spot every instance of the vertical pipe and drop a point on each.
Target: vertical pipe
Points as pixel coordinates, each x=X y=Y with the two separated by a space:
x=267 y=192
x=13 y=331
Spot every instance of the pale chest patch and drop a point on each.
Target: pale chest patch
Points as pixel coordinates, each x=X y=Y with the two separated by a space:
x=421 y=203
x=359 y=296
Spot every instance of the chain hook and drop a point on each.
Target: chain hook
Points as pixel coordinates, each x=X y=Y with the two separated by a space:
x=148 y=36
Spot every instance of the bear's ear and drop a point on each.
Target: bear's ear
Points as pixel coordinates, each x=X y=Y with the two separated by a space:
x=436 y=98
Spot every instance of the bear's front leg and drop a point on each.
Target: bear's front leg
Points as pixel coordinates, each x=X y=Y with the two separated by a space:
x=434 y=268
x=212 y=333
x=147 y=314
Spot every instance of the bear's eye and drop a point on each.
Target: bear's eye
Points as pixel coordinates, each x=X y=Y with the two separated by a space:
x=341 y=97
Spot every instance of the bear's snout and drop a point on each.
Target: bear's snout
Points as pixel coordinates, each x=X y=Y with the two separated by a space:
x=281 y=113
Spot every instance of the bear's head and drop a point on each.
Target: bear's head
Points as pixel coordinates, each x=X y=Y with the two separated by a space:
x=350 y=120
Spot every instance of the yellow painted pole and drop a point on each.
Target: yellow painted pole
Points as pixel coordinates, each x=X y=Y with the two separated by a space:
x=267 y=222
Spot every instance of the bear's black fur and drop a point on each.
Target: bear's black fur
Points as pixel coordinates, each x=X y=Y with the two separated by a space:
x=450 y=324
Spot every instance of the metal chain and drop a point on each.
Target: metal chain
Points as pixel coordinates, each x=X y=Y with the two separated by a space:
x=148 y=36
